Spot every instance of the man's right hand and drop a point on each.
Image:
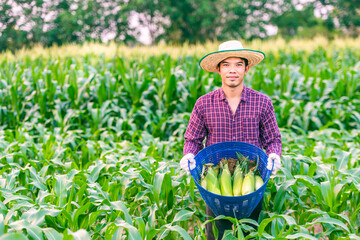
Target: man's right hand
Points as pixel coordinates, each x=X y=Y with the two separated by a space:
x=188 y=158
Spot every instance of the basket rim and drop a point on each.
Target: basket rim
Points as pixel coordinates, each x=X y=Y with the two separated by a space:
x=232 y=197
x=227 y=143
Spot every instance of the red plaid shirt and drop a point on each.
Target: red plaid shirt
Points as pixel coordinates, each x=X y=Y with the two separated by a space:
x=254 y=122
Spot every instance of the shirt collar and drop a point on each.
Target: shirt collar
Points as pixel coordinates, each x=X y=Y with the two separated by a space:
x=244 y=94
x=221 y=94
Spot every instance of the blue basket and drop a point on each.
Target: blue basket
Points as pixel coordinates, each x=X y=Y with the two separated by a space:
x=236 y=207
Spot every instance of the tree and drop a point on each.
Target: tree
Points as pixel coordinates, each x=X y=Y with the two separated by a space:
x=292 y=20
x=346 y=13
x=11 y=35
x=64 y=21
x=199 y=21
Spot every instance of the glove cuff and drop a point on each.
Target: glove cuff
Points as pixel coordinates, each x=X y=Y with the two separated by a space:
x=274 y=156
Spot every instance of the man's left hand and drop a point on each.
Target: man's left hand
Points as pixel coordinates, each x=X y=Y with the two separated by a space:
x=274 y=158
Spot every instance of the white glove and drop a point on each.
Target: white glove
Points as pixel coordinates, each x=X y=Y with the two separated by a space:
x=185 y=160
x=273 y=157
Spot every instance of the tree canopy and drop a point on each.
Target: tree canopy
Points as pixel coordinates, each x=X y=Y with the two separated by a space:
x=25 y=23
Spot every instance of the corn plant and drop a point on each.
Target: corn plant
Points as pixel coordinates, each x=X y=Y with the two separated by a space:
x=90 y=144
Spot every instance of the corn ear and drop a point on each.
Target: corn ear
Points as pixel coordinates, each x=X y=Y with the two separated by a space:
x=258 y=182
x=237 y=181
x=212 y=182
x=203 y=182
x=217 y=170
x=226 y=182
x=248 y=184
x=219 y=178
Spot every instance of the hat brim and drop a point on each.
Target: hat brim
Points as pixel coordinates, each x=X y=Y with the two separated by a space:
x=210 y=61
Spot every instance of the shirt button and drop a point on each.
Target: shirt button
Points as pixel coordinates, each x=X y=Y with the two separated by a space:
x=234 y=120
x=234 y=138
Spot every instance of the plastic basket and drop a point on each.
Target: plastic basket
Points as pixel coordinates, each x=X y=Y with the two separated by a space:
x=236 y=207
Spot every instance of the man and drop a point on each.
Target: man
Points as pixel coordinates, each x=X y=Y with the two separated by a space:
x=232 y=113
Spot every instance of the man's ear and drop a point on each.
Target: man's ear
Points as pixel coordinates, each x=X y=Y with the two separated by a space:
x=247 y=68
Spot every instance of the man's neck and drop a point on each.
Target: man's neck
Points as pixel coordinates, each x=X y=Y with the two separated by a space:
x=233 y=93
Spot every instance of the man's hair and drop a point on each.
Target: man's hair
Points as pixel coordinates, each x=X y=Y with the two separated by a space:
x=245 y=60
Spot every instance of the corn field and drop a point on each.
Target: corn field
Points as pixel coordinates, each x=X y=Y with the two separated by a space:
x=90 y=143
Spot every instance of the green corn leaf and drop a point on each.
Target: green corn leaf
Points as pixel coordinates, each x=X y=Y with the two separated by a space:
x=94 y=216
x=179 y=230
x=110 y=230
x=329 y=220
x=192 y=188
x=37 y=217
x=35 y=232
x=118 y=205
x=52 y=234
x=79 y=212
x=228 y=235
x=280 y=195
x=327 y=192
x=133 y=233
x=343 y=160
x=2 y=225
x=289 y=220
x=79 y=235
x=310 y=183
x=118 y=233
x=152 y=216
x=152 y=233
x=96 y=171
x=141 y=226
x=61 y=184
x=312 y=169
x=300 y=236
x=167 y=191
x=183 y=215
x=16 y=198
x=354 y=236
x=158 y=180
x=13 y=236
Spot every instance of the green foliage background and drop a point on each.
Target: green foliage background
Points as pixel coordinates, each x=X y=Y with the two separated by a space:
x=90 y=146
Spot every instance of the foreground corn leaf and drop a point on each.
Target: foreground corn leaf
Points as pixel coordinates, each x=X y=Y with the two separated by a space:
x=182 y=232
x=52 y=234
x=183 y=215
x=13 y=236
x=133 y=233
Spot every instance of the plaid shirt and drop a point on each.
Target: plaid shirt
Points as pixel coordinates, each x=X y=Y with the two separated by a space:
x=254 y=122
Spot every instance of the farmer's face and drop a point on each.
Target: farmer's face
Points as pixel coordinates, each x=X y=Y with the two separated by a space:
x=232 y=71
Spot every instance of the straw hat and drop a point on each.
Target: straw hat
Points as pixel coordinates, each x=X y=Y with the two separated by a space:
x=228 y=49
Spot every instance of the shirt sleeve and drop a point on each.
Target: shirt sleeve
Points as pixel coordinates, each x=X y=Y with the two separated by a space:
x=195 y=131
x=270 y=136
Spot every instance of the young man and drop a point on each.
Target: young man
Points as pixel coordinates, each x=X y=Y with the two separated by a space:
x=232 y=113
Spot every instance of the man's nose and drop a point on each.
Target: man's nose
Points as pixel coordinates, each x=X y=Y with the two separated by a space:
x=232 y=69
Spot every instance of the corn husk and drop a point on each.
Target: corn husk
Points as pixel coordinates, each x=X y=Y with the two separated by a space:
x=212 y=182
x=226 y=181
x=248 y=184
x=203 y=182
x=237 y=181
x=258 y=182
